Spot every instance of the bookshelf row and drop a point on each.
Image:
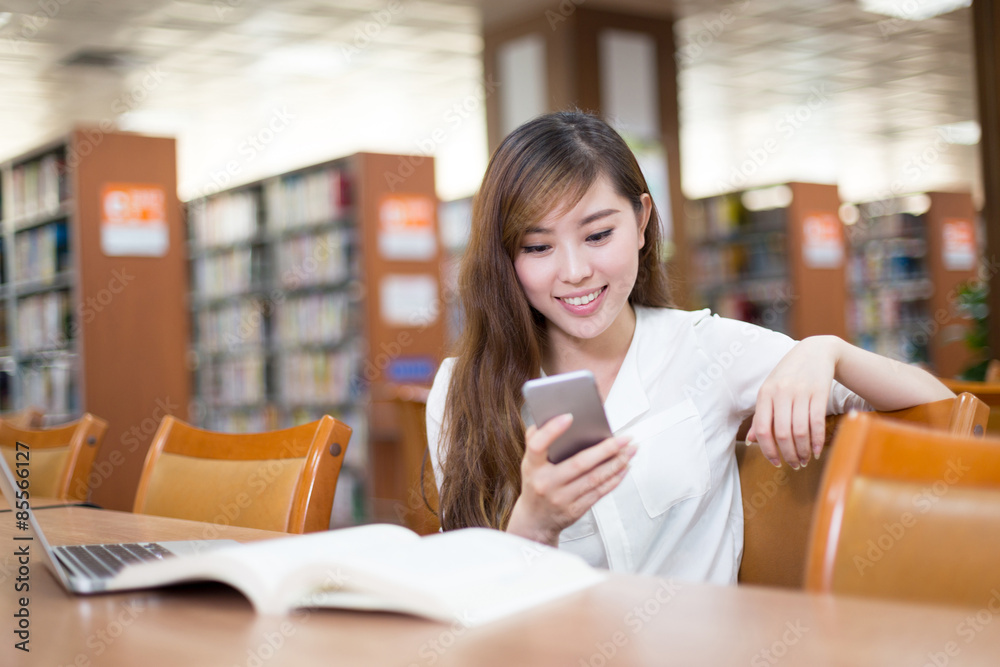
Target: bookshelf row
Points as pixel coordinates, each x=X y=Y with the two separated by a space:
x=255 y=303
x=43 y=379
x=795 y=259
x=39 y=362
x=38 y=187
x=291 y=287
x=302 y=378
x=322 y=319
x=49 y=380
x=285 y=278
x=307 y=198
x=41 y=253
x=43 y=322
x=320 y=258
x=290 y=203
x=90 y=323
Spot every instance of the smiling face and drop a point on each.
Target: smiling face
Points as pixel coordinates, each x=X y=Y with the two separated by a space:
x=577 y=266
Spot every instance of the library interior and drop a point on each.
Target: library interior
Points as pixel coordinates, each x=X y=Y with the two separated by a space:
x=243 y=217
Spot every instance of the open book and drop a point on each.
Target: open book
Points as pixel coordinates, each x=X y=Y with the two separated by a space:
x=471 y=576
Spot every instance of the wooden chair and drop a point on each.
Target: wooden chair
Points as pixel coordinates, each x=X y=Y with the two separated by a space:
x=277 y=480
x=778 y=503
x=411 y=403
x=988 y=392
x=61 y=456
x=909 y=513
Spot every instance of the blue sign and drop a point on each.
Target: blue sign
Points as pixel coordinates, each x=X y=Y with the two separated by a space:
x=404 y=370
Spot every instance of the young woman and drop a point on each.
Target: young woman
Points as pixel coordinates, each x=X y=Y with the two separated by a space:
x=562 y=273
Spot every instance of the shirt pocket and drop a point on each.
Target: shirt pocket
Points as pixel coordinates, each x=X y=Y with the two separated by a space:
x=584 y=527
x=670 y=464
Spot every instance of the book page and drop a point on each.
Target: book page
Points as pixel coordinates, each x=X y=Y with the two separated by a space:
x=472 y=576
x=275 y=574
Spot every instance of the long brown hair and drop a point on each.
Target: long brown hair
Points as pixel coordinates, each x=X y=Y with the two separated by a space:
x=547 y=162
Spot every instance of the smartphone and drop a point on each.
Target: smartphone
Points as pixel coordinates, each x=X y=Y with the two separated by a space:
x=576 y=393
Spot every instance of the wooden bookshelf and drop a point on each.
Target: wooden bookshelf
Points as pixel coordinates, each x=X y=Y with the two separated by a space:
x=310 y=291
x=908 y=257
x=92 y=292
x=772 y=256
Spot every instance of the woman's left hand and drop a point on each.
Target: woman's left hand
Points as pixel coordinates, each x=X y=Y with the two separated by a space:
x=790 y=418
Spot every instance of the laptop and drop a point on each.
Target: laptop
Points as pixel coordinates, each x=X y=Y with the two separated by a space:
x=95 y=568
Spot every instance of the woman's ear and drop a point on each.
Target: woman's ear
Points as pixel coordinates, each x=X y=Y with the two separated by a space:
x=643 y=217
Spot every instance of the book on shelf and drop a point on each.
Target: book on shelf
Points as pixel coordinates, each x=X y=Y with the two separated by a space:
x=41 y=253
x=303 y=199
x=41 y=322
x=232 y=327
x=324 y=377
x=48 y=383
x=38 y=187
x=230 y=217
x=470 y=576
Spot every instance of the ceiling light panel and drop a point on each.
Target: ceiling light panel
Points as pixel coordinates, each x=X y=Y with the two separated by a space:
x=913 y=10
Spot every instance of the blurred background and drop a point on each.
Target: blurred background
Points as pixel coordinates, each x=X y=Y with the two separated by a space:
x=384 y=76
x=291 y=251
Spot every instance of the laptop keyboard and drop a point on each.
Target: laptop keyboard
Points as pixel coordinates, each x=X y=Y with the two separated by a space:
x=106 y=560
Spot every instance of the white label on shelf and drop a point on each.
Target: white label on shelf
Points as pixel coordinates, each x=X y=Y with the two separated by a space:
x=959 y=247
x=822 y=241
x=134 y=220
x=521 y=68
x=629 y=82
x=406 y=229
x=408 y=301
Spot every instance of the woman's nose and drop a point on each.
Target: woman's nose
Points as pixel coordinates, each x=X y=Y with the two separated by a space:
x=574 y=266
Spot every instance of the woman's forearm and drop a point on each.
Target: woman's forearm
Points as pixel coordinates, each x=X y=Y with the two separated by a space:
x=885 y=383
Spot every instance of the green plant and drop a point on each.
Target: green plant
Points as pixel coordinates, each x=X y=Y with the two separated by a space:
x=971 y=300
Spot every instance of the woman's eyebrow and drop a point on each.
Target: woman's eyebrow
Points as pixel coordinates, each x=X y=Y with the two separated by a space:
x=597 y=215
x=593 y=217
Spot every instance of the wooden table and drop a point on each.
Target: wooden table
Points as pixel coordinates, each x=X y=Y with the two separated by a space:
x=627 y=620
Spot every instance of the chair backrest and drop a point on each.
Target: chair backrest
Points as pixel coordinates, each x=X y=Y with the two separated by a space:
x=778 y=503
x=61 y=456
x=988 y=392
x=411 y=403
x=910 y=513
x=276 y=480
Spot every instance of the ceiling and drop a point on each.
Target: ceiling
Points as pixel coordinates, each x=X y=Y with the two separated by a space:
x=770 y=91
x=820 y=90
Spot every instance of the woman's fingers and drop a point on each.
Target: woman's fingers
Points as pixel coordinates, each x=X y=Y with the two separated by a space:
x=792 y=427
x=817 y=418
x=783 y=430
x=561 y=493
x=585 y=489
x=538 y=440
x=588 y=498
x=587 y=459
x=761 y=431
x=801 y=429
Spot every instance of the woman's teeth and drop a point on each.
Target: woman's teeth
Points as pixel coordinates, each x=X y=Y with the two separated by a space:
x=582 y=300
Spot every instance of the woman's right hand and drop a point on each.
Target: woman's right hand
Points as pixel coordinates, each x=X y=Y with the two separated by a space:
x=555 y=496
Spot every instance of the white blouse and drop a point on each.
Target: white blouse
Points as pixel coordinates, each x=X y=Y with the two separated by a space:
x=688 y=381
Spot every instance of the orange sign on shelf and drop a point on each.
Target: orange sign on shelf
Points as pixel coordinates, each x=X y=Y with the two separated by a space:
x=958 y=246
x=134 y=220
x=406 y=229
x=822 y=241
